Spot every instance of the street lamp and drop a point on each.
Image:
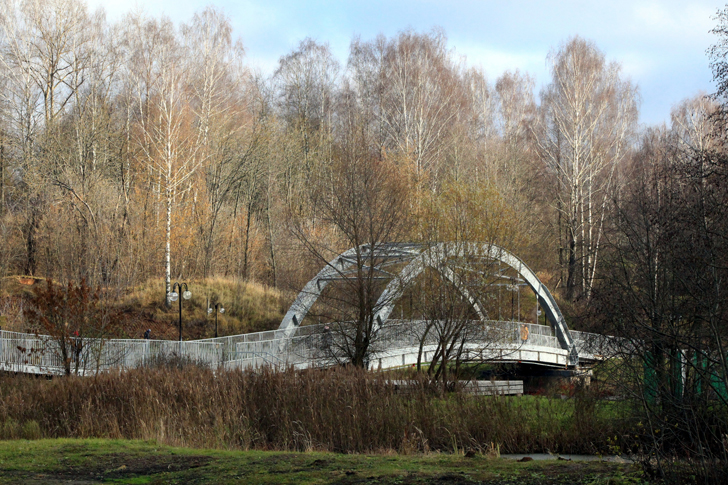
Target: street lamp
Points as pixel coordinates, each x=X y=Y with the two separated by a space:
x=221 y=310
x=174 y=296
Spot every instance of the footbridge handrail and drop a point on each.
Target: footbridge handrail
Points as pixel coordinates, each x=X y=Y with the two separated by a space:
x=398 y=341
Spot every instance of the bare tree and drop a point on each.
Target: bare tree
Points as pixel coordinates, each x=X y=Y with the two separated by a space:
x=454 y=297
x=588 y=115
x=692 y=123
x=662 y=291
x=413 y=88
x=77 y=319
x=306 y=82
x=165 y=136
x=360 y=203
x=504 y=152
x=227 y=112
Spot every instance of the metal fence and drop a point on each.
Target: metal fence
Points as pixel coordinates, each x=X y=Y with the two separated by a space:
x=318 y=347
x=43 y=354
x=311 y=345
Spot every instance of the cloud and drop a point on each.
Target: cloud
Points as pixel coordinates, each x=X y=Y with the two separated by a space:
x=496 y=61
x=681 y=24
x=636 y=65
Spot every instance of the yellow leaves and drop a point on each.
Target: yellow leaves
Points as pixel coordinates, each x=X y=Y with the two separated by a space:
x=465 y=211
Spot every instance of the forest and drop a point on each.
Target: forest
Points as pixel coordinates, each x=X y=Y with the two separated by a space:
x=143 y=149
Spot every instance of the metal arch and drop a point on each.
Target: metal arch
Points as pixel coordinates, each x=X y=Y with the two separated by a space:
x=310 y=293
x=337 y=268
x=436 y=255
x=422 y=257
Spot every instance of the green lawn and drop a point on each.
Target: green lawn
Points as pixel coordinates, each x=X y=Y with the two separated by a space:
x=118 y=461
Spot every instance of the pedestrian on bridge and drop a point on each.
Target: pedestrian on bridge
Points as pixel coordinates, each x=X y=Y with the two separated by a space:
x=76 y=347
x=327 y=338
x=524 y=333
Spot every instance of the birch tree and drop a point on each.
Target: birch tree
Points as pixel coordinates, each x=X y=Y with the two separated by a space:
x=509 y=109
x=221 y=95
x=692 y=125
x=168 y=144
x=588 y=115
x=306 y=84
x=422 y=97
x=411 y=86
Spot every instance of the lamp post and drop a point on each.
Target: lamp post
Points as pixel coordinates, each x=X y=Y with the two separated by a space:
x=221 y=310
x=174 y=296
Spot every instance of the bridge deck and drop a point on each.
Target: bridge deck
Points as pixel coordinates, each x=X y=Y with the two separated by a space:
x=397 y=345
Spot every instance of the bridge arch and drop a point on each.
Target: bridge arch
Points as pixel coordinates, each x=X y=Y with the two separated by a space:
x=421 y=257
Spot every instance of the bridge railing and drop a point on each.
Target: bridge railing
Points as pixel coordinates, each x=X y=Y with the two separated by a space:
x=313 y=344
x=310 y=345
x=42 y=353
x=138 y=353
x=596 y=346
x=316 y=346
x=490 y=333
x=18 y=350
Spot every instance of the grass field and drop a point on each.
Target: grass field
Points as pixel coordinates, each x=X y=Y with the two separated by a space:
x=121 y=461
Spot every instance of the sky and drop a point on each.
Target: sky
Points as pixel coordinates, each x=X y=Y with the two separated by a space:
x=660 y=44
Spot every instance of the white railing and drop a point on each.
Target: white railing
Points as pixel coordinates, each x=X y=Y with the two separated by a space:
x=23 y=352
x=309 y=346
x=318 y=347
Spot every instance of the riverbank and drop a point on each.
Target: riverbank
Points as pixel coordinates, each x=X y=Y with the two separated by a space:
x=93 y=461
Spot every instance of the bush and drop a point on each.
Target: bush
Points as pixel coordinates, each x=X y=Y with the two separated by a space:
x=31 y=430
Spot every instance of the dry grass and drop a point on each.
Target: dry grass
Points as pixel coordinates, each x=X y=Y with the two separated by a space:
x=345 y=410
x=249 y=307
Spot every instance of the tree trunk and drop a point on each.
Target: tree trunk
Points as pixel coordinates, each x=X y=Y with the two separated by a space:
x=30 y=242
x=168 y=250
x=246 y=243
x=571 y=270
x=2 y=178
x=274 y=275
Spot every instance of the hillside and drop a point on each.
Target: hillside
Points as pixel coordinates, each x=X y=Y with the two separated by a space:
x=249 y=307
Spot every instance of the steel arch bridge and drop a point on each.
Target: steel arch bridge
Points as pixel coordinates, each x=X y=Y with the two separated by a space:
x=297 y=346
x=419 y=257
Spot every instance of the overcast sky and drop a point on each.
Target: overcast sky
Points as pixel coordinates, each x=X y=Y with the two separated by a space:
x=660 y=44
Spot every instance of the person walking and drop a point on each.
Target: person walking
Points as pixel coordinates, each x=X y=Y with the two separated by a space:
x=77 y=346
x=327 y=338
x=524 y=333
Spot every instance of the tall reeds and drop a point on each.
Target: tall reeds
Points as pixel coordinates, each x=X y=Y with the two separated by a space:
x=344 y=410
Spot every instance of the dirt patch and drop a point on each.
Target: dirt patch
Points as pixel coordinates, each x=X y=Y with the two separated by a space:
x=413 y=479
x=567 y=472
x=319 y=464
x=123 y=466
